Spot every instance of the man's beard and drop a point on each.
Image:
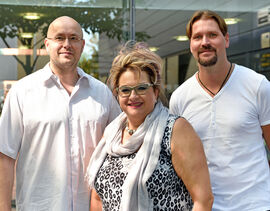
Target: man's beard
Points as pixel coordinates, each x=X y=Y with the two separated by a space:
x=210 y=62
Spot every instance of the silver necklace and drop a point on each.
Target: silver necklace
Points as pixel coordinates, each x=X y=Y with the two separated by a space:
x=130 y=131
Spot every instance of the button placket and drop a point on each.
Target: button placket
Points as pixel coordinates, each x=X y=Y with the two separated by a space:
x=73 y=131
x=74 y=148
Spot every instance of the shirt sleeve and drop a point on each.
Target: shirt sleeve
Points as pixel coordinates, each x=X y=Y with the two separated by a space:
x=11 y=125
x=263 y=102
x=173 y=107
x=114 y=109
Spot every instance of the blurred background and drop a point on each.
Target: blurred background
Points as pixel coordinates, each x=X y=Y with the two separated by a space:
x=109 y=23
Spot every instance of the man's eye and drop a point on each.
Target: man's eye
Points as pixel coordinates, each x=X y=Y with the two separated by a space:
x=74 y=38
x=59 y=38
x=213 y=35
x=196 y=37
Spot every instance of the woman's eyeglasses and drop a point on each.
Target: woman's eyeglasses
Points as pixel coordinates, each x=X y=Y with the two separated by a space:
x=125 y=91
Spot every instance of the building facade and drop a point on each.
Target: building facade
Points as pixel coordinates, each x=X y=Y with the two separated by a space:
x=107 y=24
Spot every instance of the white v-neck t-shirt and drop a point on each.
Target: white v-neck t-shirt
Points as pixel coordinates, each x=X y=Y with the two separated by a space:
x=229 y=125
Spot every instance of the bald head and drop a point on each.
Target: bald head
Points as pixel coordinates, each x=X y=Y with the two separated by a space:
x=64 y=44
x=64 y=21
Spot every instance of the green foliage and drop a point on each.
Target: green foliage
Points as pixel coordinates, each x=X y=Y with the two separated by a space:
x=90 y=66
x=108 y=21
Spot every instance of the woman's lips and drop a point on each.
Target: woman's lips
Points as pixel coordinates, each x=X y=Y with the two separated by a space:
x=135 y=105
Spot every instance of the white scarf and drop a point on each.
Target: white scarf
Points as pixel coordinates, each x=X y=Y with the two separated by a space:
x=148 y=138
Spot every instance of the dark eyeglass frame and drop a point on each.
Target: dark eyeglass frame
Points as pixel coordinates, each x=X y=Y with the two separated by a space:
x=146 y=86
x=62 y=39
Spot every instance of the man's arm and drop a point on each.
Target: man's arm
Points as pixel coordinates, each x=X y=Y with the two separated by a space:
x=263 y=102
x=6 y=181
x=266 y=135
x=114 y=108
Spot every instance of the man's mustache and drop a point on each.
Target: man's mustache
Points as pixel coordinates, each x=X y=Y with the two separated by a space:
x=206 y=48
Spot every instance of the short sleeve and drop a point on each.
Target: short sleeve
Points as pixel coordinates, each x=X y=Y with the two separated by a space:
x=114 y=109
x=11 y=125
x=173 y=105
x=263 y=102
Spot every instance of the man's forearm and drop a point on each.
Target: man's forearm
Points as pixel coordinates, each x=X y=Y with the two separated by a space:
x=6 y=181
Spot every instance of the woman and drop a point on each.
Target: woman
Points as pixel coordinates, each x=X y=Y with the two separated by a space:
x=147 y=159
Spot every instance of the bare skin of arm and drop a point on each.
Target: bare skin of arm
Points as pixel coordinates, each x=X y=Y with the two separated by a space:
x=266 y=135
x=189 y=162
x=6 y=181
x=96 y=203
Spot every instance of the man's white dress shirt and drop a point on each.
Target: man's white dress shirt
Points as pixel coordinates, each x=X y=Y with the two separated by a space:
x=54 y=134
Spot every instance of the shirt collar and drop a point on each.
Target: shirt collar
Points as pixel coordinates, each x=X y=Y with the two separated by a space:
x=48 y=73
x=82 y=74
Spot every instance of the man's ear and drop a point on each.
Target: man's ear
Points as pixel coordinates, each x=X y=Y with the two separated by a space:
x=46 y=45
x=83 y=45
x=227 y=40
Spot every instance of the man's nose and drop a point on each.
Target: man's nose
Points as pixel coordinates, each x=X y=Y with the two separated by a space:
x=205 y=40
x=67 y=41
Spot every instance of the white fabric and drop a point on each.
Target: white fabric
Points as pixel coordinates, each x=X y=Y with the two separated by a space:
x=149 y=136
x=54 y=135
x=229 y=126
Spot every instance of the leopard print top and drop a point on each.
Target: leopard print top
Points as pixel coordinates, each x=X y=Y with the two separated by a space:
x=165 y=188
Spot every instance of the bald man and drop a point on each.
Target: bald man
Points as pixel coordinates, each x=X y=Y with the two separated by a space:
x=51 y=122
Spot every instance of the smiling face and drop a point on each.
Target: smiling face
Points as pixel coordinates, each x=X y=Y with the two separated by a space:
x=137 y=107
x=207 y=43
x=66 y=54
